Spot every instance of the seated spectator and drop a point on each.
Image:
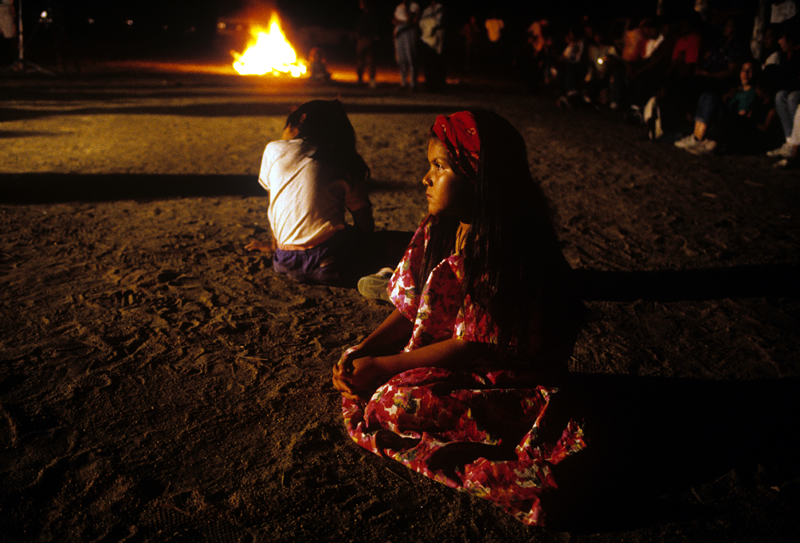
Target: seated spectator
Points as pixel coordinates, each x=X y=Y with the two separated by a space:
x=635 y=45
x=788 y=97
x=676 y=97
x=635 y=54
x=722 y=61
x=318 y=65
x=543 y=55
x=782 y=11
x=572 y=67
x=605 y=67
x=650 y=75
x=792 y=157
x=728 y=120
x=770 y=56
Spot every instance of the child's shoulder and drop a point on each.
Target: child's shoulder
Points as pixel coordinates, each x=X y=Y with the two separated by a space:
x=288 y=148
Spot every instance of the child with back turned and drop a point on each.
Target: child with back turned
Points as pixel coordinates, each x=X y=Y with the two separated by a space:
x=455 y=382
x=313 y=173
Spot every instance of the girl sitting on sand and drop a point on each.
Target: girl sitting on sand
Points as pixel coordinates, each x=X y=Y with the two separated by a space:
x=312 y=174
x=485 y=310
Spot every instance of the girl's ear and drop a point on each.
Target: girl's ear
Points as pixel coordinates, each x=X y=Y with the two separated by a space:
x=302 y=119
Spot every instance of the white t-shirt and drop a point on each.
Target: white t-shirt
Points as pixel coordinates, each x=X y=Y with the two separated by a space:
x=8 y=22
x=494 y=28
x=431 y=26
x=307 y=199
x=402 y=15
x=782 y=12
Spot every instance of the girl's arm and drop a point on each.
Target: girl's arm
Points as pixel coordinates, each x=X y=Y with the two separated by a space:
x=267 y=247
x=767 y=120
x=363 y=220
x=369 y=372
x=388 y=338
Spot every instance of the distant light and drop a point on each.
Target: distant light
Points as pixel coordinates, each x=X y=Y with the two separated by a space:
x=221 y=25
x=90 y=21
x=43 y=15
x=600 y=61
x=129 y=22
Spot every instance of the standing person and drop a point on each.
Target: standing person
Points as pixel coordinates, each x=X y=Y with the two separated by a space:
x=406 y=35
x=471 y=33
x=8 y=32
x=367 y=33
x=431 y=25
x=485 y=308
x=494 y=33
x=313 y=173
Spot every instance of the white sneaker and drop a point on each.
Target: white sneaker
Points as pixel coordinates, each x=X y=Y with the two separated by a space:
x=703 y=147
x=784 y=151
x=687 y=142
x=375 y=286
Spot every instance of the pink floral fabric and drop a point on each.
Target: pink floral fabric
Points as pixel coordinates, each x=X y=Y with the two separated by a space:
x=444 y=424
x=436 y=308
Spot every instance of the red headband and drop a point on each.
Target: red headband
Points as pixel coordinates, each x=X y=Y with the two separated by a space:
x=459 y=133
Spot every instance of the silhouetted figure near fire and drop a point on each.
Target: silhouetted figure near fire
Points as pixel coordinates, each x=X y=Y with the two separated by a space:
x=431 y=25
x=406 y=35
x=367 y=33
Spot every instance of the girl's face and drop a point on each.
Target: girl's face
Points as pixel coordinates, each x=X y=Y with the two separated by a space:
x=746 y=74
x=449 y=194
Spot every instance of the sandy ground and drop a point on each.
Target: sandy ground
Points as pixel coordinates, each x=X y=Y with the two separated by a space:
x=160 y=383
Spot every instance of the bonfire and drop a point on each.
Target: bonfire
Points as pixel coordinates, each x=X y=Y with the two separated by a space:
x=269 y=52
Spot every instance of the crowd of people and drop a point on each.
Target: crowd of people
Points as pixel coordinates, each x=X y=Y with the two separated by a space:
x=713 y=82
x=707 y=80
x=426 y=43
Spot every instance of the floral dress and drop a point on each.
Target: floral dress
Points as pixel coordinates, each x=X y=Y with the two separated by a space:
x=426 y=418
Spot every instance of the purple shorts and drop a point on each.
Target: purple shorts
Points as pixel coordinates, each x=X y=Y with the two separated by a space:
x=332 y=262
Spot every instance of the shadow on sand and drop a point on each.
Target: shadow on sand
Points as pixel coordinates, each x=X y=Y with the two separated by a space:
x=48 y=188
x=700 y=284
x=653 y=439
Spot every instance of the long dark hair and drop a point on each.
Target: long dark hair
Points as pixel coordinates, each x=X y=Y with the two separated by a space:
x=324 y=124
x=513 y=265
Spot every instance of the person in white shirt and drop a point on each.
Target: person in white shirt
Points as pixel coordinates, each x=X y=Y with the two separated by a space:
x=431 y=25
x=313 y=174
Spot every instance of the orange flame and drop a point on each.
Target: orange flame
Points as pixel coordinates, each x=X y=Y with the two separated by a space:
x=270 y=52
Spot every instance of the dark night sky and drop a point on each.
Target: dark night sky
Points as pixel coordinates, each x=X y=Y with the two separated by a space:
x=197 y=18
x=340 y=13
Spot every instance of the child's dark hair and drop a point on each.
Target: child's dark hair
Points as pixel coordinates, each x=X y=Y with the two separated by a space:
x=513 y=264
x=324 y=124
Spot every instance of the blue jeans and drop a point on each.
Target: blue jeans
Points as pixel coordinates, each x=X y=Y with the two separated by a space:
x=785 y=105
x=406 y=43
x=709 y=109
